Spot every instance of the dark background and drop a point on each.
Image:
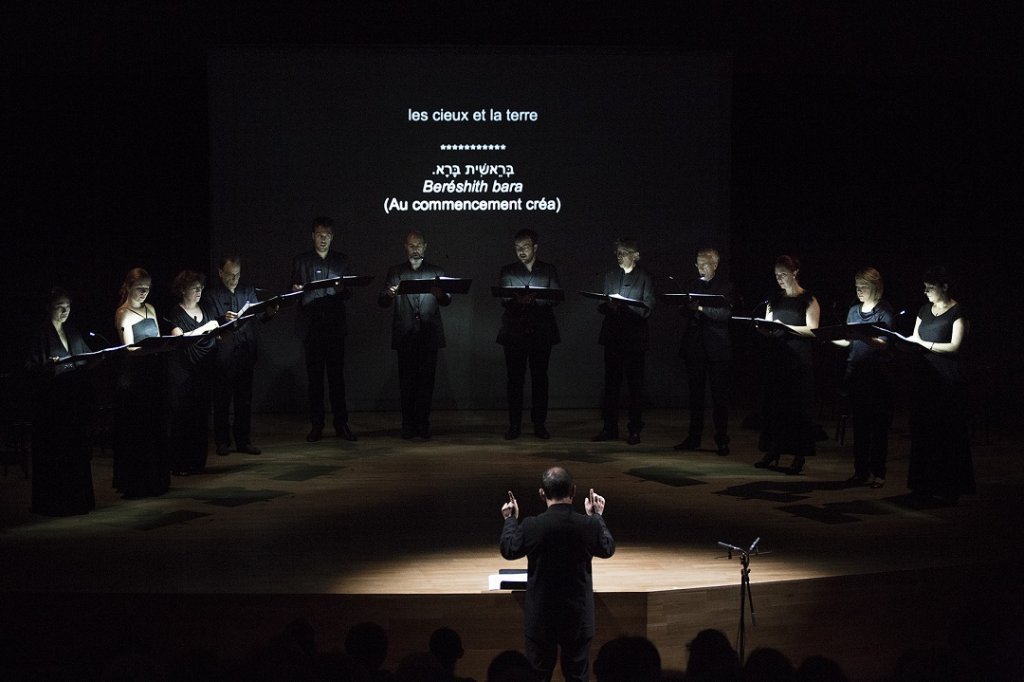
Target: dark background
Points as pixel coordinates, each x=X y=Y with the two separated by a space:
x=881 y=133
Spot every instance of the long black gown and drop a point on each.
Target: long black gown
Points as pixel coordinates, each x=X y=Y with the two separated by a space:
x=140 y=455
x=61 y=456
x=188 y=395
x=788 y=413
x=940 y=448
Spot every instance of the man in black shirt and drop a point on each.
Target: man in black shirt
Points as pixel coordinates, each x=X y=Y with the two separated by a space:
x=528 y=330
x=626 y=339
x=417 y=333
x=707 y=351
x=235 y=358
x=322 y=318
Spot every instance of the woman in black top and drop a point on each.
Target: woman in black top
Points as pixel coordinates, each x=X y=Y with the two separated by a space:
x=140 y=456
x=788 y=414
x=940 y=449
x=869 y=381
x=61 y=457
x=188 y=374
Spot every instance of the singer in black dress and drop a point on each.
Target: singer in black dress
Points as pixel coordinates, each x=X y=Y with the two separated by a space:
x=189 y=372
x=787 y=418
x=868 y=381
x=61 y=457
x=141 y=468
x=940 y=448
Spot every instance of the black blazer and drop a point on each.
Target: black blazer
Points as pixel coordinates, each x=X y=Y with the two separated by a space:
x=559 y=545
x=533 y=323
x=417 y=320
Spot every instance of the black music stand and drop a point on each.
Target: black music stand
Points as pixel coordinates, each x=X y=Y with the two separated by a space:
x=632 y=302
x=539 y=293
x=449 y=285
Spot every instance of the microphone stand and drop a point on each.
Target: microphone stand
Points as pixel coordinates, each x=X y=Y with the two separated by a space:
x=745 y=596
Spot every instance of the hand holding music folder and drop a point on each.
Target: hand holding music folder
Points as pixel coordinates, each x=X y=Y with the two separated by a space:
x=762 y=323
x=155 y=345
x=449 y=285
x=539 y=293
x=344 y=280
x=632 y=302
x=846 y=332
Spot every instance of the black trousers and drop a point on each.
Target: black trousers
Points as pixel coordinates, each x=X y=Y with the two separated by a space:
x=517 y=358
x=871 y=402
x=619 y=364
x=417 y=368
x=574 y=658
x=702 y=373
x=326 y=352
x=233 y=385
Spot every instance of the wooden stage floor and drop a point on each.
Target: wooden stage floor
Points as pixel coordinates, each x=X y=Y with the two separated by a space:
x=383 y=528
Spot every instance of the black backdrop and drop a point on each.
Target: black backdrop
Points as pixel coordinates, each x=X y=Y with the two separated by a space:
x=624 y=143
x=860 y=134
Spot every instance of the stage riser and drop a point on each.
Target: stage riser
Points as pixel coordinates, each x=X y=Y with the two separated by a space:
x=863 y=621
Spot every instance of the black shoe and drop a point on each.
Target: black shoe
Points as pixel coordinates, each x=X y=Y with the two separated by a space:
x=223 y=449
x=343 y=431
x=797 y=466
x=541 y=432
x=249 y=449
x=770 y=459
x=856 y=480
x=633 y=439
x=315 y=434
x=691 y=442
x=604 y=435
x=722 y=445
x=512 y=433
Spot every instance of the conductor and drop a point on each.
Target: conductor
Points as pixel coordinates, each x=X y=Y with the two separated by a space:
x=559 y=545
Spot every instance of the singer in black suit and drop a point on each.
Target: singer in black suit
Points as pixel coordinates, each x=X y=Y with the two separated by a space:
x=707 y=352
x=559 y=545
x=322 y=314
x=528 y=331
x=626 y=340
x=417 y=333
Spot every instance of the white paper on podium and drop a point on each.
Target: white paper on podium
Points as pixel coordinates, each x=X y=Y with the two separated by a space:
x=512 y=579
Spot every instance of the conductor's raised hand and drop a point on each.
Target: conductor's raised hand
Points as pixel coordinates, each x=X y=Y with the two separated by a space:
x=511 y=508
x=594 y=503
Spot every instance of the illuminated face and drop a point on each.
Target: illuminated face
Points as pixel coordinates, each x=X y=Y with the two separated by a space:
x=706 y=267
x=626 y=258
x=230 y=274
x=865 y=292
x=784 y=277
x=934 y=292
x=192 y=294
x=60 y=310
x=415 y=247
x=526 y=251
x=138 y=292
x=322 y=238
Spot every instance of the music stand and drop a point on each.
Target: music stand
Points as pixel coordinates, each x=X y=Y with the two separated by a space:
x=706 y=300
x=539 y=293
x=632 y=302
x=745 y=596
x=449 y=285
